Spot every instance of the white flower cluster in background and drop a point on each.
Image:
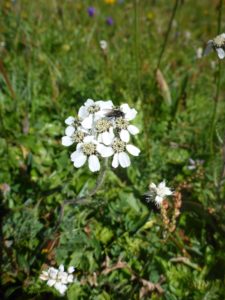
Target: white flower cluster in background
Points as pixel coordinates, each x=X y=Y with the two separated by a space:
x=103 y=45
x=218 y=44
x=58 y=278
x=158 y=193
x=101 y=131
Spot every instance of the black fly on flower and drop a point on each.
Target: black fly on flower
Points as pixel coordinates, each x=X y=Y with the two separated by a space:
x=114 y=113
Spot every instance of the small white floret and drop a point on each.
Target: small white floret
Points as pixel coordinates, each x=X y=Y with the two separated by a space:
x=158 y=193
x=58 y=278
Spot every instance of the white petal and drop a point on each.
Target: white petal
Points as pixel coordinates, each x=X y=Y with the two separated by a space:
x=115 y=162
x=125 y=108
x=124 y=159
x=60 y=287
x=105 y=104
x=69 y=130
x=61 y=268
x=167 y=191
x=67 y=141
x=51 y=282
x=192 y=162
x=107 y=138
x=220 y=52
x=52 y=273
x=124 y=135
x=131 y=114
x=71 y=269
x=208 y=48
x=162 y=184
x=89 y=102
x=87 y=123
x=133 y=129
x=79 y=146
x=100 y=138
x=44 y=275
x=152 y=185
x=70 y=278
x=78 y=158
x=69 y=120
x=104 y=151
x=63 y=276
x=158 y=200
x=133 y=150
x=89 y=139
x=93 y=163
x=191 y=167
x=83 y=113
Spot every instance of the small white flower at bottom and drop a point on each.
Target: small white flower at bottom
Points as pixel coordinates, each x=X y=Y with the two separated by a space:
x=58 y=278
x=218 y=44
x=158 y=193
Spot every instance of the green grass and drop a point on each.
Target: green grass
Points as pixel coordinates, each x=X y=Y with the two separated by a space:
x=50 y=63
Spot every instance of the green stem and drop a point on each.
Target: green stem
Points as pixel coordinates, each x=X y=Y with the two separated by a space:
x=220 y=6
x=136 y=43
x=218 y=79
x=91 y=193
x=167 y=33
x=215 y=108
x=77 y=200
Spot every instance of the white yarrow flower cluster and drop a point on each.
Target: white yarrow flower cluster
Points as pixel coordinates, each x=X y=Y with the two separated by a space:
x=101 y=131
x=58 y=278
x=158 y=193
x=218 y=44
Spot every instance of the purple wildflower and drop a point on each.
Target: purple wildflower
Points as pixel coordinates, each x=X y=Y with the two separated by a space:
x=91 y=11
x=109 y=21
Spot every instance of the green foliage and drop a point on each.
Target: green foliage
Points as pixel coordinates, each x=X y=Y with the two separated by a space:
x=50 y=63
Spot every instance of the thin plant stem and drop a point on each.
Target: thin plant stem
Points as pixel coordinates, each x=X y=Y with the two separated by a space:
x=136 y=44
x=220 y=7
x=77 y=200
x=215 y=108
x=83 y=199
x=218 y=80
x=167 y=33
x=221 y=178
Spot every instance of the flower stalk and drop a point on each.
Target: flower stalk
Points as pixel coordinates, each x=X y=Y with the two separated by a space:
x=167 y=33
x=218 y=80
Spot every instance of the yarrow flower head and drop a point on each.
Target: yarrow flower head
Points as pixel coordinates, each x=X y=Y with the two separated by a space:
x=101 y=130
x=58 y=278
x=218 y=44
x=158 y=193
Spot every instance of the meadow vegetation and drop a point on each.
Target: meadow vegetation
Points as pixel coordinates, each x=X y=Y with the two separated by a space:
x=121 y=245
